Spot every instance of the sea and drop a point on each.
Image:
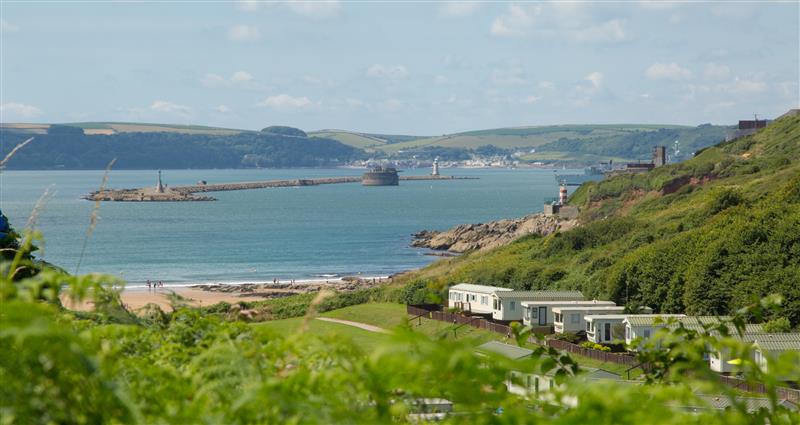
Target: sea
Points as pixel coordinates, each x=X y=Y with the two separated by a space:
x=300 y=233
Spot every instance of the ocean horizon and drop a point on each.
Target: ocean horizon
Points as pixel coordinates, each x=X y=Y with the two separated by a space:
x=255 y=236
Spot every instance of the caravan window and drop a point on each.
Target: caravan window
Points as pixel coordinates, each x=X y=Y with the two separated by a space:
x=484 y=300
x=534 y=312
x=512 y=305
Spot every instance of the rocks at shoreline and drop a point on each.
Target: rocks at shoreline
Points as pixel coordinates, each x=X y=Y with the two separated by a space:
x=284 y=289
x=471 y=237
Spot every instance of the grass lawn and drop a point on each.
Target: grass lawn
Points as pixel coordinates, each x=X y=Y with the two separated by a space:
x=389 y=316
x=367 y=340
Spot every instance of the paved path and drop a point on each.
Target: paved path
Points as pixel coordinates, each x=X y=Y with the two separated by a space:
x=359 y=325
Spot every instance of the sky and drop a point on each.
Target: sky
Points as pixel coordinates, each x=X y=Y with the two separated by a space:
x=418 y=68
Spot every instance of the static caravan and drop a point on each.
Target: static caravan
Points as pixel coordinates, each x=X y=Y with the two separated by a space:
x=507 y=305
x=763 y=343
x=604 y=328
x=570 y=319
x=768 y=347
x=540 y=313
x=644 y=325
x=472 y=298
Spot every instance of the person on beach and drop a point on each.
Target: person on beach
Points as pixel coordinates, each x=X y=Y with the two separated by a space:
x=160 y=284
x=148 y=283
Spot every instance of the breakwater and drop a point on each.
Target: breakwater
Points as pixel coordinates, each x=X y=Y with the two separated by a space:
x=188 y=192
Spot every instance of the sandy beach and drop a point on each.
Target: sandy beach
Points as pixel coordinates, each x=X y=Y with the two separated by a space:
x=209 y=294
x=197 y=297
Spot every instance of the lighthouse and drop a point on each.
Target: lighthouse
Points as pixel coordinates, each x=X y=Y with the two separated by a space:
x=562 y=194
x=435 y=171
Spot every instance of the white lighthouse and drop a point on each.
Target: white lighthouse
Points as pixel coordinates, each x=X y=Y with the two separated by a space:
x=435 y=171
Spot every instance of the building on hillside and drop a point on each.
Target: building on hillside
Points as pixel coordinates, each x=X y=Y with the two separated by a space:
x=710 y=402
x=720 y=361
x=748 y=127
x=643 y=326
x=525 y=383
x=605 y=328
x=768 y=348
x=472 y=298
x=540 y=313
x=659 y=156
x=571 y=319
x=507 y=305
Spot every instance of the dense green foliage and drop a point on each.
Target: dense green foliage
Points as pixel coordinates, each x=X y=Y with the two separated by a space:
x=284 y=130
x=194 y=366
x=67 y=147
x=706 y=236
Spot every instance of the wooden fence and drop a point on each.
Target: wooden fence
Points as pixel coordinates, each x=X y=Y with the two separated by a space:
x=783 y=393
x=602 y=356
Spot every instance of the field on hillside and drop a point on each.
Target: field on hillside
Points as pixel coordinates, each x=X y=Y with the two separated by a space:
x=357 y=140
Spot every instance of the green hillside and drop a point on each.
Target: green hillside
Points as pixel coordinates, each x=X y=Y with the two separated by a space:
x=705 y=236
x=356 y=140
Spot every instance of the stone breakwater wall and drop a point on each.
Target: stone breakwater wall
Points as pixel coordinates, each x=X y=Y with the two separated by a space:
x=483 y=236
x=187 y=193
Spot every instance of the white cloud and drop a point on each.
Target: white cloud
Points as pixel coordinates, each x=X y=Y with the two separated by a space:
x=596 y=78
x=569 y=21
x=8 y=27
x=458 y=9
x=247 y=5
x=743 y=86
x=716 y=71
x=516 y=21
x=241 y=77
x=667 y=71
x=223 y=109
x=285 y=102
x=393 y=105
x=513 y=76
x=315 y=9
x=546 y=85
x=659 y=4
x=238 y=79
x=440 y=80
x=392 y=72
x=610 y=31
x=170 y=108
x=243 y=33
x=19 y=110
x=531 y=100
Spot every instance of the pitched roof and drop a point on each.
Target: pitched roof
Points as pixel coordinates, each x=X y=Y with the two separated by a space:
x=721 y=402
x=776 y=342
x=513 y=352
x=649 y=319
x=566 y=303
x=598 y=308
x=484 y=289
x=543 y=295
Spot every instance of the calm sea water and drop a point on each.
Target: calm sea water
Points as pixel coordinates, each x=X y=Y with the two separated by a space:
x=259 y=235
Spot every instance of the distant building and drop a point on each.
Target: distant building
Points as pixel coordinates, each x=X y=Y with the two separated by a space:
x=659 y=156
x=472 y=298
x=507 y=305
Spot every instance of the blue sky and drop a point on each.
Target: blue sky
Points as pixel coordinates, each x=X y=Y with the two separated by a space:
x=408 y=68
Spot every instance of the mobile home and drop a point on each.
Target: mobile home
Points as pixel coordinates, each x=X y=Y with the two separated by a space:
x=540 y=313
x=571 y=319
x=472 y=298
x=644 y=325
x=507 y=305
x=604 y=328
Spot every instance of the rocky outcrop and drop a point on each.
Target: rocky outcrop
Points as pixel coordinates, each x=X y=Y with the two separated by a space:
x=471 y=237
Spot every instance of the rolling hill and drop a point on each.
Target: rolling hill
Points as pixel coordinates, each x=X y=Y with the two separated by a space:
x=576 y=144
x=705 y=236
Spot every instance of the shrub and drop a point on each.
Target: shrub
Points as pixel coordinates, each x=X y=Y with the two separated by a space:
x=779 y=325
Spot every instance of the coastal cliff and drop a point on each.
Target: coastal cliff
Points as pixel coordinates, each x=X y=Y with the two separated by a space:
x=482 y=236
